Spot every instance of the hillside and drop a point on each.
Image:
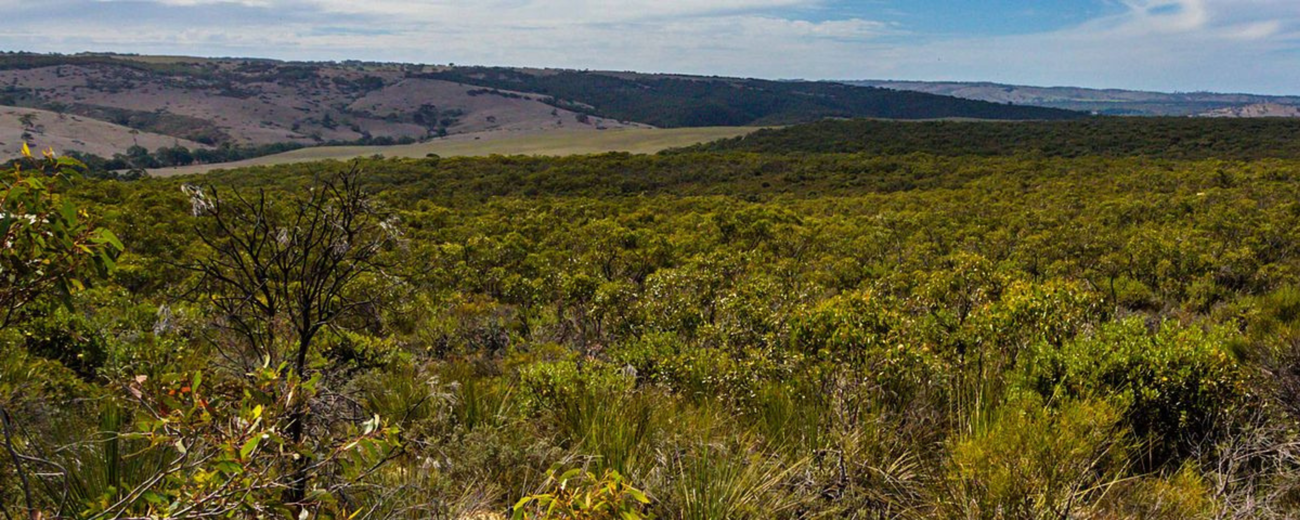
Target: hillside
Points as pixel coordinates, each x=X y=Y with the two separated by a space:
x=44 y=129
x=257 y=102
x=265 y=105
x=684 y=101
x=1173 y=138
x=1102 y=101
x=1256 y=110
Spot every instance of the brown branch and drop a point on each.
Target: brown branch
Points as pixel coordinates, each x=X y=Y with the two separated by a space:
x=18 y=464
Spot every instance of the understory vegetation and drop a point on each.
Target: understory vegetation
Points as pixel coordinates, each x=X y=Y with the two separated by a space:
x=694 y=335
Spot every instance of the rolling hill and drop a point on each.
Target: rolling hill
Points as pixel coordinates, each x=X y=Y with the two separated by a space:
x=1256 y=110
x=241 y=108
x=71 y=132
x=687 y=101
x=1101 y=101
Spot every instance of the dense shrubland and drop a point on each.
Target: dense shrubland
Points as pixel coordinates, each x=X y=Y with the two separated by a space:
x=696 y=335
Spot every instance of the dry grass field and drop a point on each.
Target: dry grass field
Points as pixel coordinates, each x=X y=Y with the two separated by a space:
x=552 y=143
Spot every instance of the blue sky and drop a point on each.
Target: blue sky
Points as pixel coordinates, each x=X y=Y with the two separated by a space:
x=1170 y=45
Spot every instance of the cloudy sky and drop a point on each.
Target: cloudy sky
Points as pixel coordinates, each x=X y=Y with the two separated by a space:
x=1171 y=45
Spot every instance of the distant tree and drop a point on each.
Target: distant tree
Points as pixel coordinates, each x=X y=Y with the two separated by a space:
x=139 y=157
x=176 y=155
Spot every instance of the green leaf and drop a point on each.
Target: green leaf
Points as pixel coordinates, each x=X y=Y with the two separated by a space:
x=229 y=468
x=249 y=447
x=638 y=495
x=154 y=498
x=570 y=475
x=68 y=211
x=518 y=510
x=111 y=239
x=68 y=162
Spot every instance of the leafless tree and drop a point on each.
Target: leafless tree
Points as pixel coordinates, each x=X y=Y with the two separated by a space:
x=281 y=272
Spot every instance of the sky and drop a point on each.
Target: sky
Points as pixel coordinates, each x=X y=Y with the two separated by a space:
x=1165 y=45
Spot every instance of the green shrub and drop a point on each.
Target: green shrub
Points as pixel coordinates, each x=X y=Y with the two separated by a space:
x=870 y=334
x=69 y=338
x=547 y=385
x=1180 y=382
x=579 y=495
x=1028 y=461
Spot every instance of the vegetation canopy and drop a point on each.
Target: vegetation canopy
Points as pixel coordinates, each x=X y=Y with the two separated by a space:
x=806 y=323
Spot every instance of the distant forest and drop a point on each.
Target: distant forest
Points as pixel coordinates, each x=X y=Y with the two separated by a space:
x=683 y=101
x=1167 y=138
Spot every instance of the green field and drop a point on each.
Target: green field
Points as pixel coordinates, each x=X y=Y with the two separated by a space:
x=639 y=140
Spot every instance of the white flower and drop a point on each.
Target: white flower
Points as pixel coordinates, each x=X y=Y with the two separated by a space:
x=31 y=219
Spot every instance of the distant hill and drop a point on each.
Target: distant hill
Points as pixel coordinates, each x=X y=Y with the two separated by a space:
x=1106 y=102
x=1160 y=137
x=259 y=102
x=1257 y=110
x=689 y=101
x=65 y=132
x=253 y=105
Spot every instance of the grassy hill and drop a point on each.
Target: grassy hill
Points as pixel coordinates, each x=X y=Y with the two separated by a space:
x=255 y=106
x=251 y=103
x=43 y=129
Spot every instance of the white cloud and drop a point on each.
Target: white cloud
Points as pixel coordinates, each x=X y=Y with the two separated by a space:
x=1158 y=44
x=735 y=37
x=527 y=12
x=1224 y=45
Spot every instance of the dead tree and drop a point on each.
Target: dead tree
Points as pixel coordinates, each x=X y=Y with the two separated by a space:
x=281 y=272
